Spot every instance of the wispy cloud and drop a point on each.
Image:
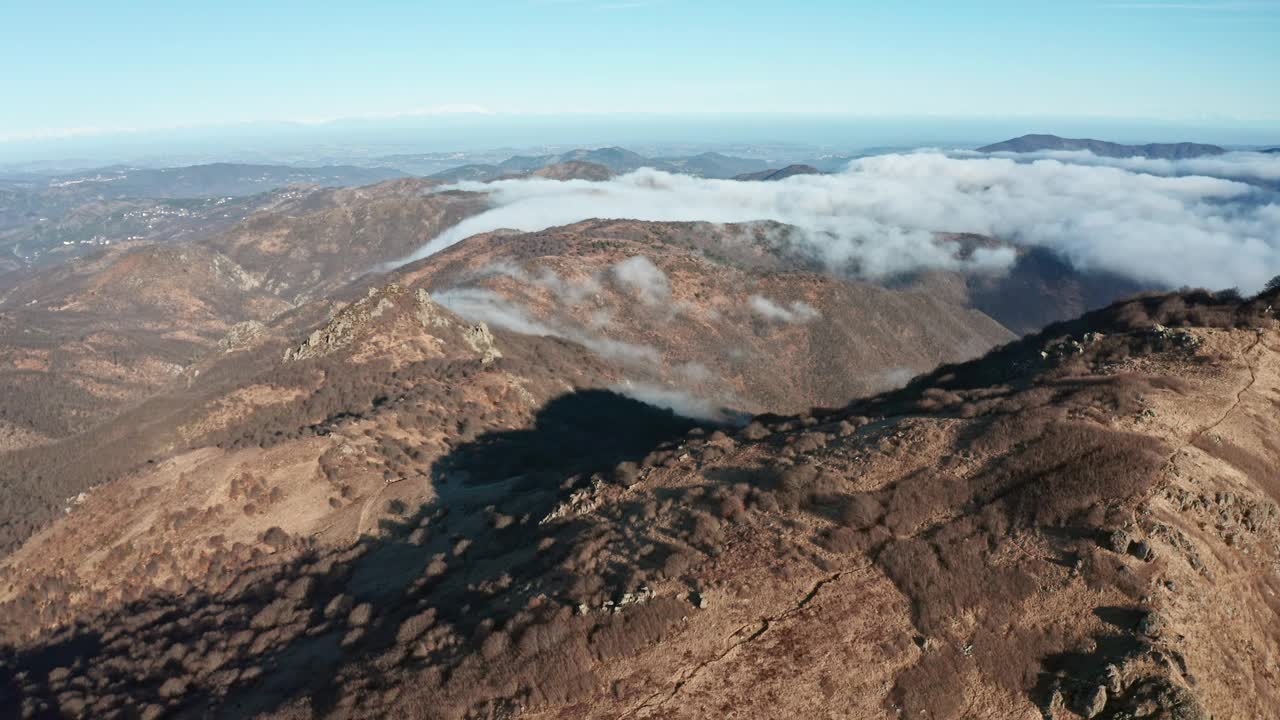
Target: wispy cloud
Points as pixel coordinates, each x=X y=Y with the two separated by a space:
x=799 y=312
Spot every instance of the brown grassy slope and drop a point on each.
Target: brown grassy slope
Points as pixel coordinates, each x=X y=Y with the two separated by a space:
x=392 y=346
x=722 y=318
x=999 y=539
x=327 y=239
x=81 y=341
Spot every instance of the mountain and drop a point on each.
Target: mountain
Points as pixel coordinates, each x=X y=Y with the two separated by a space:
x=779 y=174
x=85 y=338
x=572 y=170
x=410 y=515
x=44 y=221
x=566 y=170
x=620 y=468
x=325 y=239
x=475 y=173
x=1272 y=150
x=617 y=160
x=517 y=164
x=720 y=316
x=317 y=373
x=55 y=230
x=753 y=324
x=714 y=165
x=1163 y=151
x=1039 y=289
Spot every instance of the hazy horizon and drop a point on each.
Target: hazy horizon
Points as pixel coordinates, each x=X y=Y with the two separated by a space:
x=286 y=82
x=759 y=134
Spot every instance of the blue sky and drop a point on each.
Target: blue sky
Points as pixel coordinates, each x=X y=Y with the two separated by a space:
x=73 y=67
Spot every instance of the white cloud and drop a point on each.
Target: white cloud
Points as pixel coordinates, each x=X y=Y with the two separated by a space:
x=646 y=280
x=879 y=217
x=478 y=305
x=798 y=312
x=678 y=402
x=1239 y=165
x=892 y=378
x=573 y=291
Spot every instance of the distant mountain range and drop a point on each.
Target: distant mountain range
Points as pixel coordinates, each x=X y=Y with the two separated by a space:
x=618 y=160
x=215 y=179
x=45 y=219
x=615 y=468
x=715 y=165
x=1162 y=151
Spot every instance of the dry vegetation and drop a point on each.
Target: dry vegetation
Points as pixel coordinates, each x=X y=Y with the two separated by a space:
x=1042 y=532
x=697 y=327
x=81 y=341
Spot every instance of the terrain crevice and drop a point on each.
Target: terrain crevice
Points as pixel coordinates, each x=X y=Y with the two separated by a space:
x=762 y=626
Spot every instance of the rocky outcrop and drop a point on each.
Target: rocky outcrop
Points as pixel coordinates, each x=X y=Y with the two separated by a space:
x=352 y=322
x=343 y=328
x=242 y=335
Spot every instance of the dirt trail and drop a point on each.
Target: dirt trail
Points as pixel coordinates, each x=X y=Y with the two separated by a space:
x=1253 y=379
x=365 y=510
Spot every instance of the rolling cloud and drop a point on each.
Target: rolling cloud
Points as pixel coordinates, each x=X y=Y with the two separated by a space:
x=880 y=216
x=1246 y=166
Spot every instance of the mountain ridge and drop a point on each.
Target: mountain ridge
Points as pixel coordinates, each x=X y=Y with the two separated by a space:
x=663 y=579
x=1039 y=143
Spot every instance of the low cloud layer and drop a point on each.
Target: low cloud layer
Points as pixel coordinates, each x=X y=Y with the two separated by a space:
x=1247 y=166
x=878 y=218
